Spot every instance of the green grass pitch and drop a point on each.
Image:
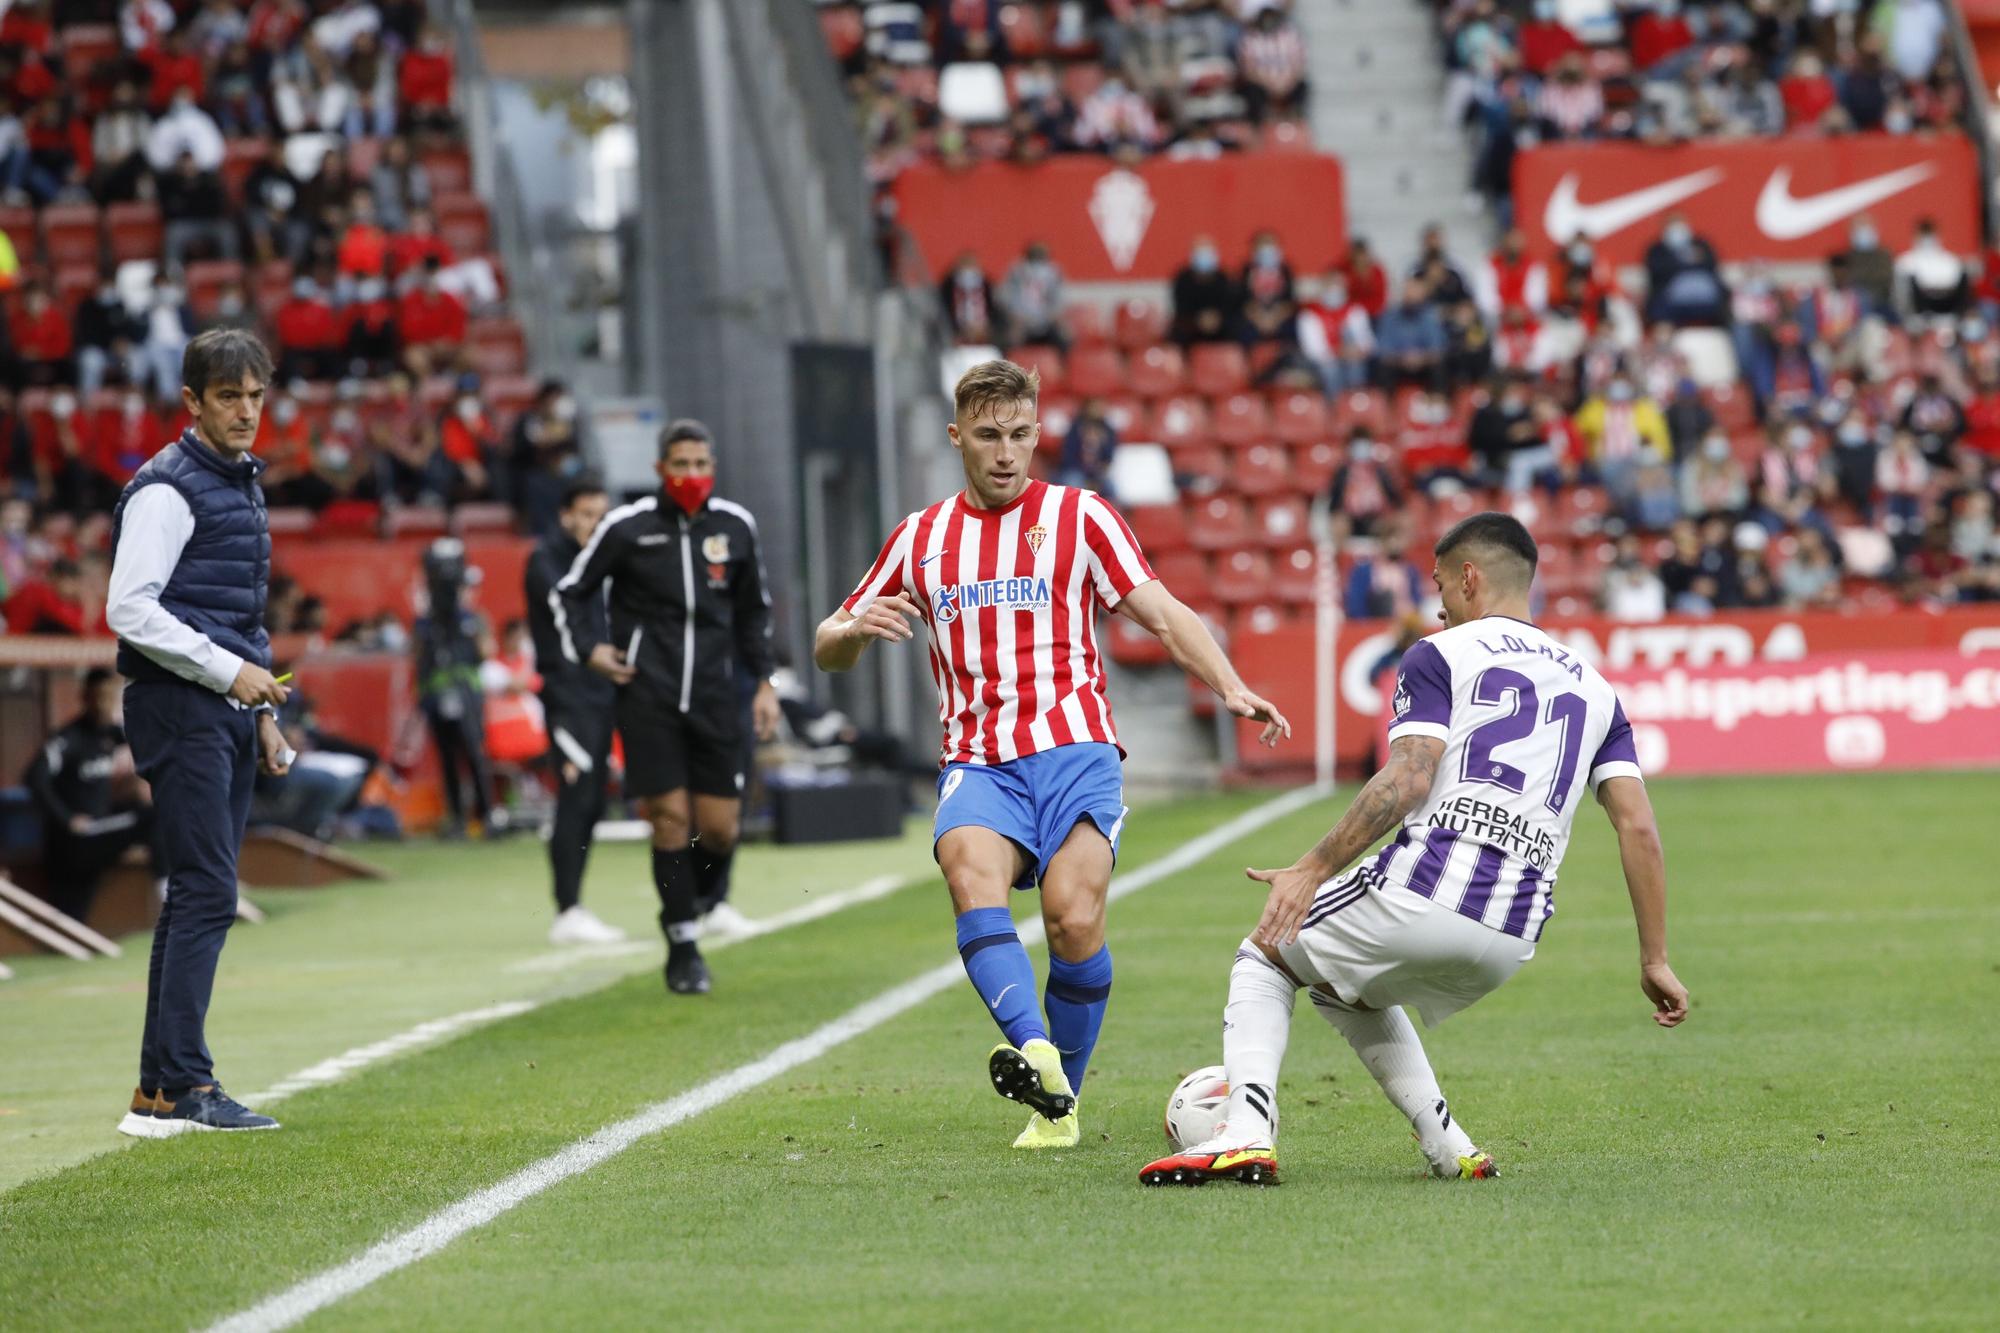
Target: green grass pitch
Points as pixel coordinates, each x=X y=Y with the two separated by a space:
x=1817 y=1146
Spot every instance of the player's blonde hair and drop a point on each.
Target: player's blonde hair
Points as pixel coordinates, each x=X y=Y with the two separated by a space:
x=993 y=384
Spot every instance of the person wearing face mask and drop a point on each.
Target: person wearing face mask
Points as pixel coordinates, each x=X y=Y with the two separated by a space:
x=689 y=616
x=1032 y=298
x=108 y=336
x=1870 y=264
x=1205 y=298
x=1683 y=279
x=1266 y=285
x=1334 y=336
x=284 y=442
x=1544 y=41
x=543 y=456
x=1622 y=431
x=169 y=326
x=968 y=302
x=1712 y=481
x=468 y=442
x=1364 y=492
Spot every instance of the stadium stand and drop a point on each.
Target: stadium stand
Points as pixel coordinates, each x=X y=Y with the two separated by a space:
x=1681 y=435
x=293 y=168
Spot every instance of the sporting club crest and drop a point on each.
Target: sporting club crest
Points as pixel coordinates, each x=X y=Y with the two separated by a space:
x=715 y=548
x=1121 y=208
x=1036 y=536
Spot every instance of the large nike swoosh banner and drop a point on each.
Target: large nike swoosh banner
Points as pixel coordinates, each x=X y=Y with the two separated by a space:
x=1105 y=223
x=1787 y=198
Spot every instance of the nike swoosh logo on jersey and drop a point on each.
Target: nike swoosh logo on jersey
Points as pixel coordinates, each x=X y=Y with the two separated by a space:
x=927 y=559
x=1783 y=216
x=1564 y=216
x=994 y=1003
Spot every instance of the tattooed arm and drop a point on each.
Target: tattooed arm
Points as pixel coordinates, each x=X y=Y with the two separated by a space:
x=1402 y=785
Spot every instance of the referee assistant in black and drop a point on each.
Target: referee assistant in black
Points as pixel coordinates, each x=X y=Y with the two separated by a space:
x=578 y=707
x=192 y=560
x=688 y=607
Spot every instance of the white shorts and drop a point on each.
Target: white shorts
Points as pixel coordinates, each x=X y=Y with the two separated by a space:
x=1378 y=945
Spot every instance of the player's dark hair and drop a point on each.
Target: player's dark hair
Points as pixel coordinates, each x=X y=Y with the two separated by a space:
x=224 y=356
x=684 y=428
x=1490 y=534
x=584 y=483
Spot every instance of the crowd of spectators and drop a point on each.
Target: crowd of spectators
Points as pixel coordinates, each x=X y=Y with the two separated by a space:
x=1837 y=434
x=963 y=81
x=291 y=166
x=1663 y=71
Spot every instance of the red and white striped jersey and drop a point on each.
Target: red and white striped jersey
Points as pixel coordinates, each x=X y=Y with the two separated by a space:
x=1011 y=597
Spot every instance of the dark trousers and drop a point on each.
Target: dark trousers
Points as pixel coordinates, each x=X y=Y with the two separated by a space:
x=75 y=862
x=580 y=754
x=200 y=755
x=461 y=751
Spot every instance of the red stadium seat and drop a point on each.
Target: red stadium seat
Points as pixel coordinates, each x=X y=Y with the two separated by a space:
x=1362 y=407
x=1139 y=323
x=1281 y=521
x=1240 y=420
x=1262 y=618
x=1040 y=357
x=1159 y=529
x=1200 y=467
x=1299 y=418
x=284 y=520
x=206 y=279
x=1262 y=469
x=1216 y=369
x=509 y=396
x=1096 y=371
x=1179 y=569
x=1133 y=646
x=239 y=158
x=416 y=521
x=1022 y=29
x=1079 y=81
x=1263 y=356
x=450 y=170
x=1181 y=419
x=1085 y=323
x=70 y=235
x=461 y=220
x=1580 y=511
x=1313 y=467
x=496 y=346
x=1295 y=576
x=1058 y=411
x=1287 y=136
x=1732 y=406
x=74 y=283
x=1241 y=576
x=1157 y=371
x=18 y=221
x=85 y=46
x=844 y=32
x=134 y=230
x=1126 y=413
x=1218 y=523
x=482 y=518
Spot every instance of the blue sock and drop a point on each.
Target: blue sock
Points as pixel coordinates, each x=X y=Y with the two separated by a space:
x=1076 y=997
x=1001 y=972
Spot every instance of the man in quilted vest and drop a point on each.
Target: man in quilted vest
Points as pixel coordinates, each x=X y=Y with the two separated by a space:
x=188 y=577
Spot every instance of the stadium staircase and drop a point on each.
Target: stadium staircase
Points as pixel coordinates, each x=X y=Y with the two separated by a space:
x=1377 y=104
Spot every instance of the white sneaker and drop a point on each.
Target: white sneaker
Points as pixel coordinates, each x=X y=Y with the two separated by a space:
x=579 y=925
x=723 y=919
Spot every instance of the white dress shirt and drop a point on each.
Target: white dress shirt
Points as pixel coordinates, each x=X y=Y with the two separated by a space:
x=155 y=530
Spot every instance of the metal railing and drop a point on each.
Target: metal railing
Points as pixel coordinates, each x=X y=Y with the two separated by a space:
x=1978 y=114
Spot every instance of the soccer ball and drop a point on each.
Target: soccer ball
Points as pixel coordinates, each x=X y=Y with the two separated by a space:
x=1194 y=1108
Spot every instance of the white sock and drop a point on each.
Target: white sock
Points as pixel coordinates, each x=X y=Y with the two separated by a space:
x=1255 y=1026
x=1387 y=1043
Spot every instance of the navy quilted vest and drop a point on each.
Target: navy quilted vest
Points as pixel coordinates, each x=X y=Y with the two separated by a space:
x=218 y=587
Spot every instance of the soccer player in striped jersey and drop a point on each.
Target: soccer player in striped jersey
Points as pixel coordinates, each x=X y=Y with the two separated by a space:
x=1008 y=576
x=1495 y=727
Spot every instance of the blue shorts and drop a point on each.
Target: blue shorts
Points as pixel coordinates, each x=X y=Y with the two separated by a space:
x=1036 y=800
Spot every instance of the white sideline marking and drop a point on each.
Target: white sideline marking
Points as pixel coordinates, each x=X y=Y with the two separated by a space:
x=423 y=1034
x=439 y=1029
x=824 y=905
x=315 y=1293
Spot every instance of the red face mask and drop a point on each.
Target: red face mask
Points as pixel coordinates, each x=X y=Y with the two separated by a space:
x=690 y=493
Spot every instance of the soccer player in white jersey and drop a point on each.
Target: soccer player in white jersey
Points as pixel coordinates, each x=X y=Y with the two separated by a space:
x=1008 y=576
x=1496 y=726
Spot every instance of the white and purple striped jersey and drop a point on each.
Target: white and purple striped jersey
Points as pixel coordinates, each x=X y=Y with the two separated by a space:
x=1525 y=723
